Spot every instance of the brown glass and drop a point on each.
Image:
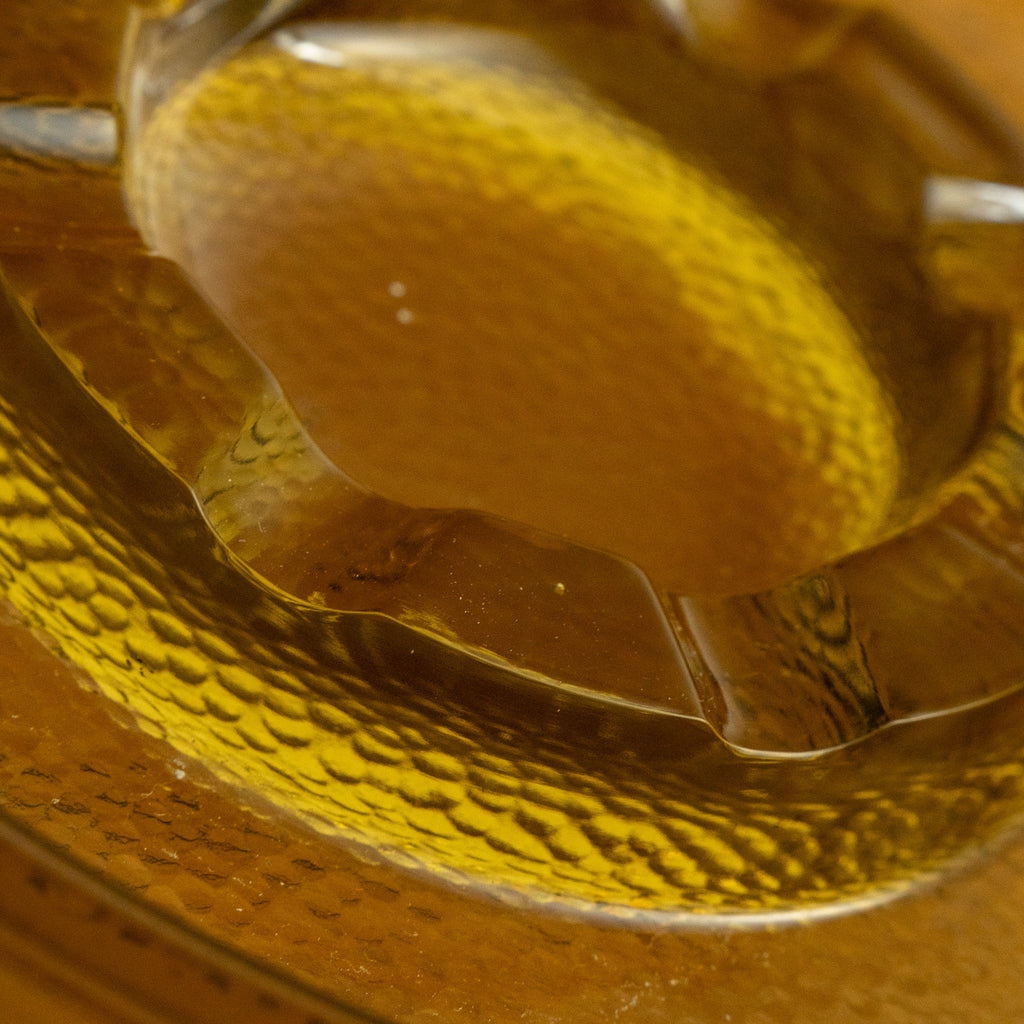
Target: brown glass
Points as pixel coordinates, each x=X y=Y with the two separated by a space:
x=152 y=831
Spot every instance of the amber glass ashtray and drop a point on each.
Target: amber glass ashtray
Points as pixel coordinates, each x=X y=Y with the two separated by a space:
x=510 y=510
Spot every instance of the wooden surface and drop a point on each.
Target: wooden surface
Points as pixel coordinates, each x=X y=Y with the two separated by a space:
x=984 y=37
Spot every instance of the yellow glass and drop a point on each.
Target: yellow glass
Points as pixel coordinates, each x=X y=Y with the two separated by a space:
x=691 y=691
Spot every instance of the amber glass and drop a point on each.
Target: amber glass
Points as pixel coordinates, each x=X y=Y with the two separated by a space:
x=510 y=510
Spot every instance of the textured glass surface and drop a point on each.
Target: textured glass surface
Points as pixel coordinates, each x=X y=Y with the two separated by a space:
x=508 y=511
